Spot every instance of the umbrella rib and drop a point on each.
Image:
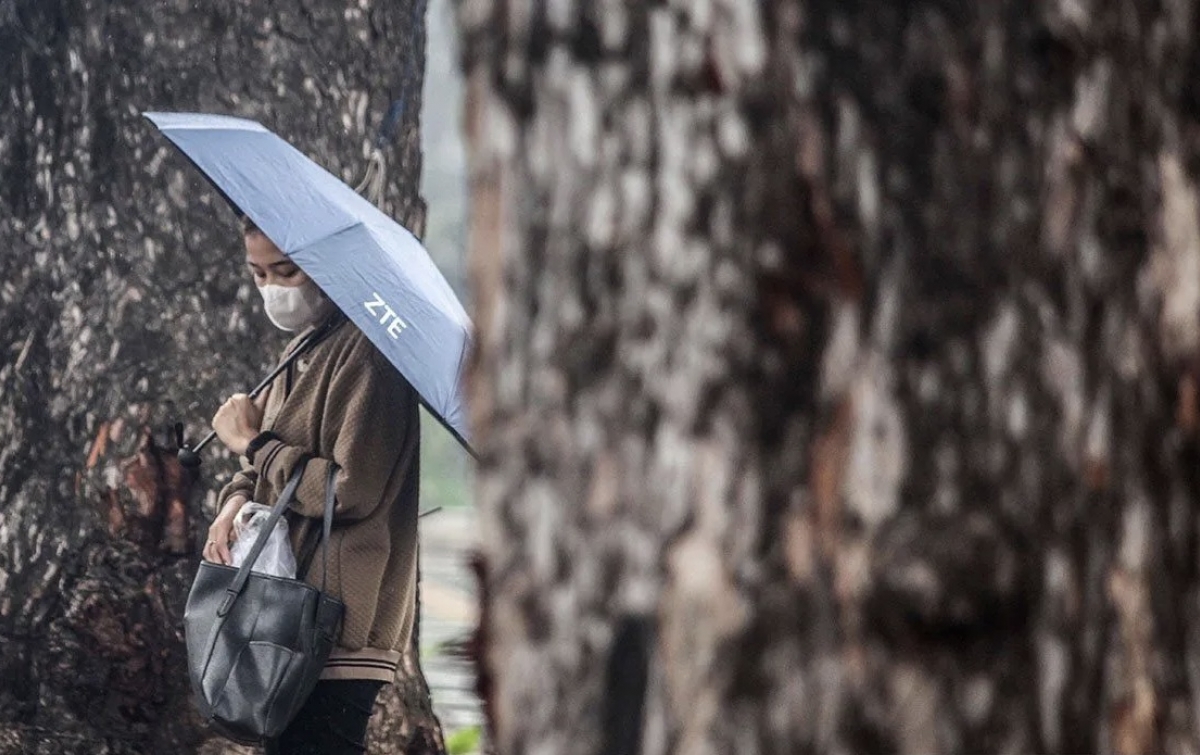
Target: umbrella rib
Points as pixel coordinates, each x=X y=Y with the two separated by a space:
x=308 y=245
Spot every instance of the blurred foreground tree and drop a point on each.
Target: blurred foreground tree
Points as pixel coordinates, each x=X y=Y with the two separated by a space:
x=124 y=306
x=837 y=388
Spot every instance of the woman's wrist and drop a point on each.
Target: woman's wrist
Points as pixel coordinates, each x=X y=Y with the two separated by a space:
x=237 y=441
x=255 y=443
x=233 y=504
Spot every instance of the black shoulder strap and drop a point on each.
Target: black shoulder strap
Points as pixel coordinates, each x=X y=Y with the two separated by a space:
x=314 y=534
x=327 y=519
x=307 y=549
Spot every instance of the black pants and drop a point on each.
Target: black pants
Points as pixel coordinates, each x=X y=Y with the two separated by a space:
x=333 y=721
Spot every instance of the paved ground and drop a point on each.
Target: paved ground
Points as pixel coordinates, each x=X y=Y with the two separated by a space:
x=448 y=612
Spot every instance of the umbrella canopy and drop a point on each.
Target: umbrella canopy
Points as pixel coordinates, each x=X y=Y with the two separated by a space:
x=377 y=272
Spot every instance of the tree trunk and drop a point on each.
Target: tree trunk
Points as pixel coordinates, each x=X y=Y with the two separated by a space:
x=837 y=386
x=120 y=278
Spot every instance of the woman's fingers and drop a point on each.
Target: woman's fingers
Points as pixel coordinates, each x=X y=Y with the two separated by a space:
x=217 y=547
x=222 y=532
x=211 y=554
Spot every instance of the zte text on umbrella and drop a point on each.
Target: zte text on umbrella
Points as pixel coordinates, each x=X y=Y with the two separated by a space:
x=396 y=325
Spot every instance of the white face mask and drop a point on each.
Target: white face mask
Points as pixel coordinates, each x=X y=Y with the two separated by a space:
x=294 y=307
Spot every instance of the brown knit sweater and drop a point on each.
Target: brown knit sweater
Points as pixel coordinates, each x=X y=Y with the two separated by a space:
x=344 y=402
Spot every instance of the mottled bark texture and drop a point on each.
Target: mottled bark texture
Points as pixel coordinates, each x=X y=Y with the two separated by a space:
x=837 y=388
x=124 y=307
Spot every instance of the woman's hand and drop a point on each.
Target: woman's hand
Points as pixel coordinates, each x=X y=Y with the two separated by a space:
x=221 y=533
x=237 y=422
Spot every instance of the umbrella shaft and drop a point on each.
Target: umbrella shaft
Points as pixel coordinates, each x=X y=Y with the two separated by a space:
x=254 y=392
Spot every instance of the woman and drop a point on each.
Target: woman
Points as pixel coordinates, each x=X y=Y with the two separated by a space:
x=341 y=403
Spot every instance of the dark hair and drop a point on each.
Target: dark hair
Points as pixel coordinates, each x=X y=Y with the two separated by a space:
x=248 y=226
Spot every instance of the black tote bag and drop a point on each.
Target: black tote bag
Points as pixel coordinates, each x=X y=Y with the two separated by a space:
x=256 y=644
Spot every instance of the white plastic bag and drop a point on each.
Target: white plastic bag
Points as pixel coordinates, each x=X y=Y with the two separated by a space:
x=276 y=558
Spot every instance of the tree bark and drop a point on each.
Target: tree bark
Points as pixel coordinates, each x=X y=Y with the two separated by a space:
x=120 y=281
x=837 y=379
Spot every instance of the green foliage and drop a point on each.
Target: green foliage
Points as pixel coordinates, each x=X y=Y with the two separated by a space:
x=445 y=467
x=464 y=741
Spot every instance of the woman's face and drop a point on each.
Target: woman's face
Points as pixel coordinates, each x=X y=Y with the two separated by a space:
x=269 y=265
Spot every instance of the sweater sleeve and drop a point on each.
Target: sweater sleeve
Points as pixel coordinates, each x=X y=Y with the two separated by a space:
x=371 y=409
x=243 y=482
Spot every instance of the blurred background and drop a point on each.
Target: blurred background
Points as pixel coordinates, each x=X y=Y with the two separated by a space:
x=449 y=602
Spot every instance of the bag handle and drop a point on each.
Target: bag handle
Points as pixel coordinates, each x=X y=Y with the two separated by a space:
x=281 y=505
x=327 y=524
x=313 y=537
